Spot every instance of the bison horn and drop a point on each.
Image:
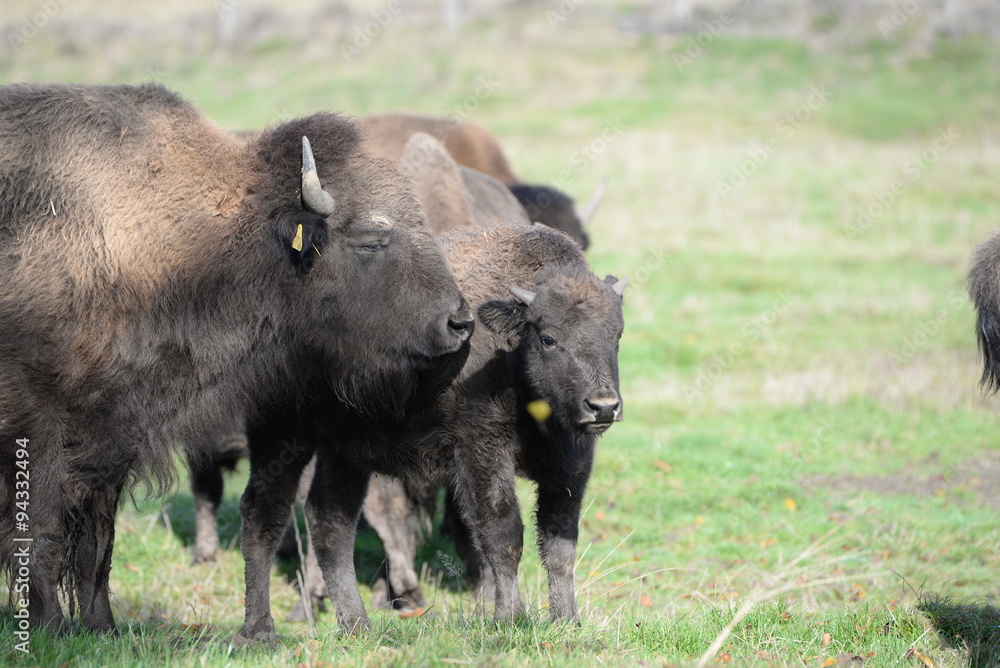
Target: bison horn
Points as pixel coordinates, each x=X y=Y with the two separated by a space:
x=523 y=296
x=620 y=286
x=314 y=197
x=590 y=208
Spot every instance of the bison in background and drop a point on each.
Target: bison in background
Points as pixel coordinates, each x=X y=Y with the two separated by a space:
x=162 y=276
x=473 y=146
x=984 y=290
x=539 y=388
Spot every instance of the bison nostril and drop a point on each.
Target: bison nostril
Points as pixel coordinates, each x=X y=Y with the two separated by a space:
x=603 y=409
x=461 y=327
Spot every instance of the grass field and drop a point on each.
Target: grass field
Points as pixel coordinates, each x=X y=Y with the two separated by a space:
x=807 y=473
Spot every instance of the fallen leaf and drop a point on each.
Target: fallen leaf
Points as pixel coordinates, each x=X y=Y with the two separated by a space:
x=663 y=466
x=725 y=657
x=791 y=505
x=829 y=662
x=599 y=515
x=826 y=639
x=417 y=612
x=133 y=568
x=645 y=601
x=547 y=645
x=785 y=616
x=914 y=653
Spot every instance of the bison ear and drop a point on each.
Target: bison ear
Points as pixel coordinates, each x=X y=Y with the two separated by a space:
x=303 y=234
x=505 y=318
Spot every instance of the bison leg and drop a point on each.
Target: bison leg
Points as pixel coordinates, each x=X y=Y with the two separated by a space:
x=558 y=519
x=92 y=566
x=45 y=562
x=39 y=558
x=332 y=512
x=478 y=574
x=206 y=487
x=313 y=587
x=265 y=508
x=388 y=510
x=488 y=501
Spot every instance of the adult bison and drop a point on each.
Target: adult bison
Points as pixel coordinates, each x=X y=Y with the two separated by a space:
x=453 y=197
x=161 y=276
x=984 y=290
x=474 y=147
x=538 y=389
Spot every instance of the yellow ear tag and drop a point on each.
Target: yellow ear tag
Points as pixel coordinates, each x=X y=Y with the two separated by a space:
x=297 y=241
x=539 y=409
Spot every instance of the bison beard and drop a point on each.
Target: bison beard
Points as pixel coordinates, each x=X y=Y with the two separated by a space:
x=153 y=290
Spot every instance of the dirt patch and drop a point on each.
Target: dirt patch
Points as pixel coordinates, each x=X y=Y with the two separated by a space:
x=978 y=476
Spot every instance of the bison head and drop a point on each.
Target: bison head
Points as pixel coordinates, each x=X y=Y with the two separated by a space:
x=361 y=274
x=550 y=207
x=567 y=329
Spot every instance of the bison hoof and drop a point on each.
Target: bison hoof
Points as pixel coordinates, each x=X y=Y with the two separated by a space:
x=258 y=634
x=241 y=641
x=356 y=627
x=198 y=559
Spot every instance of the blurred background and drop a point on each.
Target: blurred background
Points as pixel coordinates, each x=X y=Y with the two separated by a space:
x=794 y=190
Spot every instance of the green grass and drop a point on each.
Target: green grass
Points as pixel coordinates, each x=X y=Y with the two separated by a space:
x=805 y=449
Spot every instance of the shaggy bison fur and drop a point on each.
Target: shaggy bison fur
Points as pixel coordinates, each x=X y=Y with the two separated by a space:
x=161 y=276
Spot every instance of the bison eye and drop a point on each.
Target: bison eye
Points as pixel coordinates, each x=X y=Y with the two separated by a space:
x=371 y=248
x=548 y=341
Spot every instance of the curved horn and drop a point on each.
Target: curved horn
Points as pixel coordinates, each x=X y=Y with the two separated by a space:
x=590 y=208
x=620 y=286
x=314 y=197
x=523 y=296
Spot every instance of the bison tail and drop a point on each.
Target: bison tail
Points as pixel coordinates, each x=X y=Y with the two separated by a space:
x=984 y=290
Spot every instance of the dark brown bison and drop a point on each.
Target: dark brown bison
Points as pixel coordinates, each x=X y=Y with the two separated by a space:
x=984 y=290
x=474 y=147
x=162 y=276
x=539 y=387
x=453 y=197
